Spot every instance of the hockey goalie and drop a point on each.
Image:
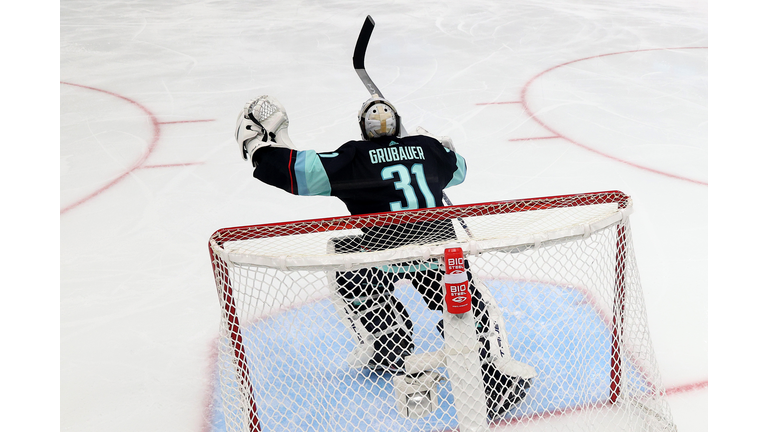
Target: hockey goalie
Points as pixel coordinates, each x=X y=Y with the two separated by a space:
x=382 y=172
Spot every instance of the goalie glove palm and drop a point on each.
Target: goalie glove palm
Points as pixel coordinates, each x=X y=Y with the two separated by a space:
x=262 y=122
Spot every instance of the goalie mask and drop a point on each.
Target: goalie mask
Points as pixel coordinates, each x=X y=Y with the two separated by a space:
x=378 y=118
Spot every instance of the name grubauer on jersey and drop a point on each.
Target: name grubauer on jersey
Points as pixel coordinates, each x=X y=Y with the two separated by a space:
x=385 y=174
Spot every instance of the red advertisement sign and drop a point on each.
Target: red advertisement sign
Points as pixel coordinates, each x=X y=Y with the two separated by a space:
x=457 y=297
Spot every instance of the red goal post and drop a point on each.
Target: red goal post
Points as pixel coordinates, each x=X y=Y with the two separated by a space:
x=253 y=265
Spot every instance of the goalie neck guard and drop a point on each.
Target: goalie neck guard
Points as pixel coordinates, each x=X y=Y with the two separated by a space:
x=378 y=118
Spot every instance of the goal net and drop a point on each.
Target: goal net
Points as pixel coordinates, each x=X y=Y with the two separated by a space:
x=524 y=314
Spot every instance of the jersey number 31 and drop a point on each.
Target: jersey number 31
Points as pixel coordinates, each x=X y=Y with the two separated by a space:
x=403 y=183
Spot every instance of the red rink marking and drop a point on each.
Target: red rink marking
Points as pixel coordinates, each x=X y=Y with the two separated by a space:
x=685 y=388
x=186 y=121
x=499 y=103
x=535 y=138
x=140 y=162
x=556 y=134
x=531 y=114
x=172 y=165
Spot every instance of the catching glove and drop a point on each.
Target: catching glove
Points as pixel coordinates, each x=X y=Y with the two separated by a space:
x=262 y=122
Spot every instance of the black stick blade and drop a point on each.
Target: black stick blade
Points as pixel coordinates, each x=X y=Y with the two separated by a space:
x=358 y=58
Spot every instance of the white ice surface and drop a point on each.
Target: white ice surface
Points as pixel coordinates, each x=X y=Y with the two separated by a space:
x=140 y=194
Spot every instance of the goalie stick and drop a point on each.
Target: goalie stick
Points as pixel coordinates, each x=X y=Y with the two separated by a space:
x=358 y=61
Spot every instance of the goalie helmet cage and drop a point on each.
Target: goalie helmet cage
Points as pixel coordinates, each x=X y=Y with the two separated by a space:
x=560 y=272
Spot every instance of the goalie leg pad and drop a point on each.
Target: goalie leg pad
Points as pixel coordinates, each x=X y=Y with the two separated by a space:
x=502 y=391
x=490 y=322
x=379 y=319
x=506 y=381
x=428 y=284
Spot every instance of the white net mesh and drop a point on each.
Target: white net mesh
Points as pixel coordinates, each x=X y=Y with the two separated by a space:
x=262 y=108
x=337 y=324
